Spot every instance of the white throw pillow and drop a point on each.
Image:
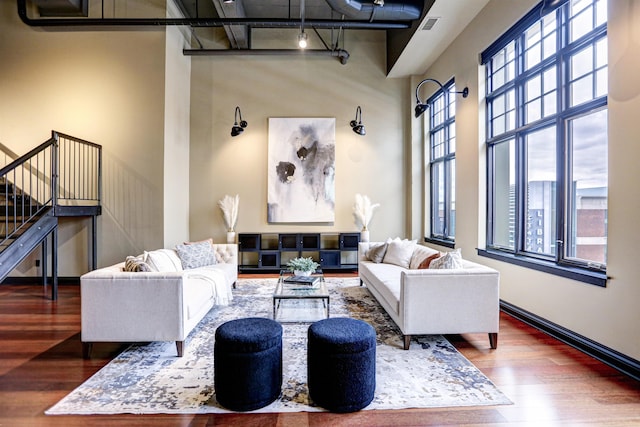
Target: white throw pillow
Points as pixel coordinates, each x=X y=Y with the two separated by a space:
x=420 y=253
x=163 y=260
x=399 y=252
x=449 y=260
x=376 y=252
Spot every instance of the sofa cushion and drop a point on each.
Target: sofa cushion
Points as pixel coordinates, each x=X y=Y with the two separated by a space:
x=399 y=252
x=420 y=253
x=376 y=253
x=449 y=260
x=426 y=263
x=196 y=255
x=163 y=260
x=136 y=264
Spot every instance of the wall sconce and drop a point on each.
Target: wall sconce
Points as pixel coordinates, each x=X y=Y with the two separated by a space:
x=356 y=124
x=421 y=107
x=238 y=129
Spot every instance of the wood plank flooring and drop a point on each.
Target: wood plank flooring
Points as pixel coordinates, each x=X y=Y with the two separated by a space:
x=550 y=383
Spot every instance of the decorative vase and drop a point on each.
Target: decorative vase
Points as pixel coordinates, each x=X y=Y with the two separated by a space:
x=231 y=236
x=364 y=235
x=302 y=273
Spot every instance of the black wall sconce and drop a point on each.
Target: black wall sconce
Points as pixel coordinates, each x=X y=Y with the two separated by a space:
x=421 y=107
x=356 y=124
x=238 y=129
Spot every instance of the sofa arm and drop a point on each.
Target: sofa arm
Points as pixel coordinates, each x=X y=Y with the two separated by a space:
x=126 y=306
x=226 y=253
x=453 y=301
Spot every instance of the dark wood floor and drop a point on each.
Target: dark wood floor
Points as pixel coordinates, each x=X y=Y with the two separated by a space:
x=550 y=383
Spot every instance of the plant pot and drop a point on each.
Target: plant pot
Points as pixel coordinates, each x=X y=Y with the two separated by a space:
x=231 y=236
x=302 y=273
x=364 y=236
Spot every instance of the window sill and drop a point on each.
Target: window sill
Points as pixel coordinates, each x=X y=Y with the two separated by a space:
x=445 y=243
x=574 y=273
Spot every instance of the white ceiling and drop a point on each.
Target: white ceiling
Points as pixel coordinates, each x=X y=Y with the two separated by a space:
x=427 y=45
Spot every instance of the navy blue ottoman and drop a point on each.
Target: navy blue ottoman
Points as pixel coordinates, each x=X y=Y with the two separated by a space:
x=247 y=363
x=341 y=364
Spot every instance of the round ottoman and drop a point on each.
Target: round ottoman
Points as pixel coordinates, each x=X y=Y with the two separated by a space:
x=247 y=363
x=341 y=364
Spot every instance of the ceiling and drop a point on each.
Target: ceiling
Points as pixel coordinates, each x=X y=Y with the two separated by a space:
x=417 y=31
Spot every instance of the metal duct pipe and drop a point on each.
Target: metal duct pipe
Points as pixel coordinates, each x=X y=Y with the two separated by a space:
x=204 y=22
x=393 y=10
x=341 y=54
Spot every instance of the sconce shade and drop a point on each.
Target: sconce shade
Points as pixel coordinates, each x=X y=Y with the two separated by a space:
x=237 y=129
x=421 y=107
x=356 y=124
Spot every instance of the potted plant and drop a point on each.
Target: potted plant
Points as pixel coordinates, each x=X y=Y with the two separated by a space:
x=302 y=266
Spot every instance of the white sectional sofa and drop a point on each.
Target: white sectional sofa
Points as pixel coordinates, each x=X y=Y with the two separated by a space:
x=425 y=301
x=163 y=304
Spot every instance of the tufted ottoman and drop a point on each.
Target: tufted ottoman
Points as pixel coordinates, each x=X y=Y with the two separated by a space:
x=248 y=363
x=341 y=364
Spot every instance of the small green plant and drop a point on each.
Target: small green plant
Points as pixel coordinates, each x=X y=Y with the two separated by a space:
x=302 y=264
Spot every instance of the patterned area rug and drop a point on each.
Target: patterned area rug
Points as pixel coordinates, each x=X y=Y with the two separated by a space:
x=149 y=378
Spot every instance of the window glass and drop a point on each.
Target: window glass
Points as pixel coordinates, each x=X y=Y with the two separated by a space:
x=588 y=188
x=504 y=194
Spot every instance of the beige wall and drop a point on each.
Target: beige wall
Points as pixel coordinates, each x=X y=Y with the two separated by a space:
x=606 y=315
x=266 y=87
x=105 y=87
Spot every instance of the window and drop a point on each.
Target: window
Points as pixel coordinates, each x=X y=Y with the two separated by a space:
x=442 y=164
x=546 y=105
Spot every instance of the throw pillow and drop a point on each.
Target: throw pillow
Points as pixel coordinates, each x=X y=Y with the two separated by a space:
x=449 y=260
x=376 y=253
x=427 y=261
x=136 y=264
x=399 y=252
x=163 y=260
x=420 y=253
x=196 y=255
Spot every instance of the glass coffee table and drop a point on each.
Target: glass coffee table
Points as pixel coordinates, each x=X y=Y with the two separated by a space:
x=297 y=302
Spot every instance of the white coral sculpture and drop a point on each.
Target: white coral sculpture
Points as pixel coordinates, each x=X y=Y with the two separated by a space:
x=363 y=210
x=229 y=206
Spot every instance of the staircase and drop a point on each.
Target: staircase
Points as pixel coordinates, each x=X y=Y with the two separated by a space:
x=60 y=177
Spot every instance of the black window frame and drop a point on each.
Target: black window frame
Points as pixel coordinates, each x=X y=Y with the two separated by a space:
x=555 y=263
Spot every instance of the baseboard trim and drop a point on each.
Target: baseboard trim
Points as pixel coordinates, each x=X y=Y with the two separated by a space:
x=609 y=356
x=22 y=280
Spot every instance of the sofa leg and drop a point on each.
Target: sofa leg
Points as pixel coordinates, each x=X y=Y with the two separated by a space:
x=361 y=282
x=234 y=285
x=493 y=340
x=407 y=341
x=180 y=348
x=86 y=350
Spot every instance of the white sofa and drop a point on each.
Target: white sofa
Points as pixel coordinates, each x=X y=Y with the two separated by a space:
x=434 y=301
x=124 y=306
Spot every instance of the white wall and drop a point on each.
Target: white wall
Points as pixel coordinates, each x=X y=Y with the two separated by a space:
x=103 y=86
x=304 y=86
x=608 y=315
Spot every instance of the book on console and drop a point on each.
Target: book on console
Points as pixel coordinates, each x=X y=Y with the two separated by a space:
x=302 y=280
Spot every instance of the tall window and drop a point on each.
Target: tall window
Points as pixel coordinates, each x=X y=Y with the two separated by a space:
x=442 y=153
x=546 y=81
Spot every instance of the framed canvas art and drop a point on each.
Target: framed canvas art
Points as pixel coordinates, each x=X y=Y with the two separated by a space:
x=301 y=170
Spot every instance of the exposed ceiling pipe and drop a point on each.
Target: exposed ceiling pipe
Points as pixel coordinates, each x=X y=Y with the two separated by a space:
x=392 y=10
x=341 y=54
x=203 y=22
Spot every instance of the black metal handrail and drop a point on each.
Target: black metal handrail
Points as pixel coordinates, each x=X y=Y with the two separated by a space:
x=63 y=171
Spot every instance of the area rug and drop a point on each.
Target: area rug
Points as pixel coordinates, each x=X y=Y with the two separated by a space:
x=148 y=378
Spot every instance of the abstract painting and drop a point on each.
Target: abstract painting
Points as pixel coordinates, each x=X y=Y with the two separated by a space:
x=301 y=170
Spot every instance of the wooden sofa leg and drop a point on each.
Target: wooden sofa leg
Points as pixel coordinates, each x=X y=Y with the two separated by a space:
x=86 y=350
x=493 y=340
x=180 y=348
x=407 y=341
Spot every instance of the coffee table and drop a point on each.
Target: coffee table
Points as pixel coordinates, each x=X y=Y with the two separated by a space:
x=300 y=303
